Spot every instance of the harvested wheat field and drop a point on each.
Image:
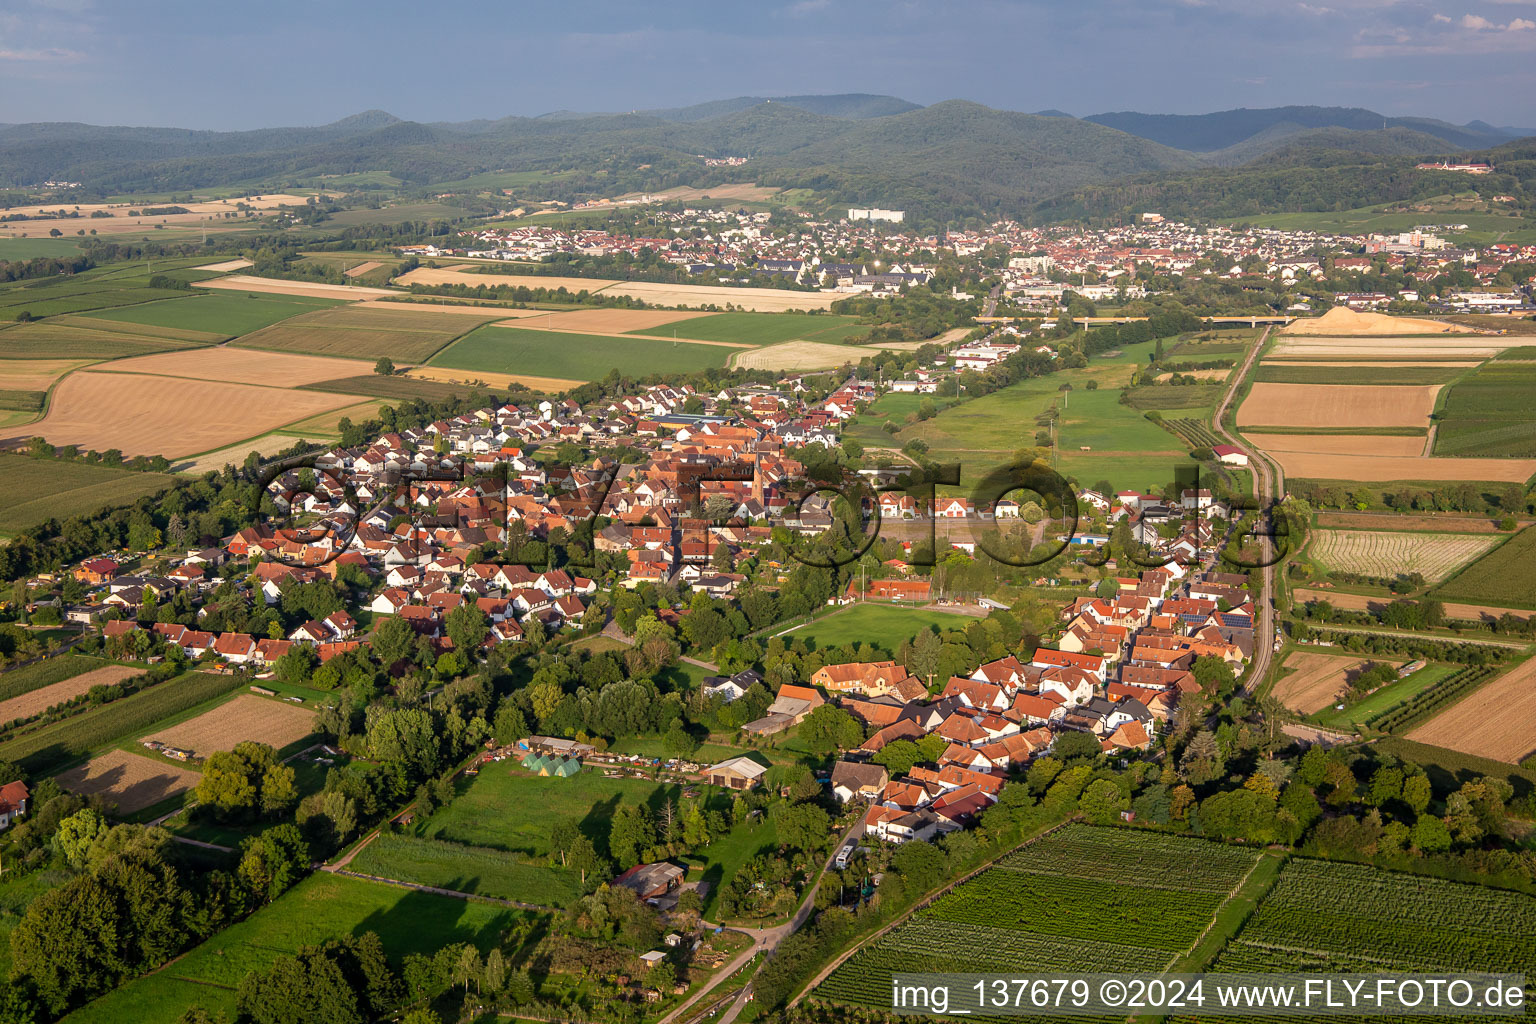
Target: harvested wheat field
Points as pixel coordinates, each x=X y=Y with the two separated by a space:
x=131 y=781
x=1342 y=322
x=228 y=266
x=247 y=717
x=1197 y=374
x=757 y=300
x=1453 y=610
x=315 y=289
x=1498 y=720
x=1432 y=523
x=238 y=366
x=1368 y=468
x=35 y=374
x=489 y=379
x=362 y=268
x=1385 y=554
x=140 y=414
x=447 y=308
x=1371 y=349
x=44 y=697
x=1339 y=444
x=1371 y=362
x=798 y=355
x=235 y=454
x=1315 y=680
x=1337 y=405
x=465 y=275
x=611 y=321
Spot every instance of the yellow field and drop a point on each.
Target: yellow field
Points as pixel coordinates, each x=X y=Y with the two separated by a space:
x=1370 y=469
x=35 y=374
x=1339 y=444
x=1336 y=405
x=1497 y=720
x=762 y=300
x=1341 y=321
x=798 y=355
x=235 y=454
x=270 y=286
x=141 y=414
x=489 y=379
x=239 y=366
x=1372 y=349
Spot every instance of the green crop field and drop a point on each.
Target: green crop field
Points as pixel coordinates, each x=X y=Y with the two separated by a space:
x=405 y=335
x=1279 y=373
x=27 y=248
x=474 y=869
x=1330 y=917
x=63 y=339
x=227 y=314
x=762 y=328
x=119 y=284
x=55 y=745
x=320 y=908
x=1080 y=899
x=1490 y=412
x=886 y=626
x=40 y=489
x=575 y=356
x=45 y=673
x=1505 y=576
x=22 y=401
x=1097 y=420
x=483 y=816
x=1176 y=396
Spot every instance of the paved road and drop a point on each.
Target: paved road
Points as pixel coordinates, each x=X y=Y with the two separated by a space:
x=1268 y=486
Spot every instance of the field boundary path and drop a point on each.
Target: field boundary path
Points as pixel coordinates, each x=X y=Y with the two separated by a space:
x=1410 y=635
x=434 y=890
x=1267 y=485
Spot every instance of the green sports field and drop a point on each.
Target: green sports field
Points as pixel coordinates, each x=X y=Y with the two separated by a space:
x=884 y=625
x=40 y=489
x=230 y=314
x=320 y=908
x=495 y=349
x=762 y=328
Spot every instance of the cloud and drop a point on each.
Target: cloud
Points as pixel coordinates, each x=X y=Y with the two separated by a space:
x=1476 y=22
x=1520 y=25
x=1306 y=8
x=1442 y=19
x=48 y=56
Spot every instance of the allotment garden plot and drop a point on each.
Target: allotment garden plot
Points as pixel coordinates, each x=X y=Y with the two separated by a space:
x=1434 y=556
x=1080 y=899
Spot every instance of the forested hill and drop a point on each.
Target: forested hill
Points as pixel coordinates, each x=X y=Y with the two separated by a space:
x=1207 y=133
x=942 y=163
x=1300 y=181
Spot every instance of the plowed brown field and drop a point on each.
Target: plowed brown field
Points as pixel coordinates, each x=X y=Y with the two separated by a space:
x=247 y=717
x=1497 y=721
x=131 y=781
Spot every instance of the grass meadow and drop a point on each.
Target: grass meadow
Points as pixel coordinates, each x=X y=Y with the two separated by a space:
x=226 y=313
x=884 y=625
x=321 y=907
x=762 y=328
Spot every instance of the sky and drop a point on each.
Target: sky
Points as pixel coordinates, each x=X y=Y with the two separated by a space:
x=216 y=65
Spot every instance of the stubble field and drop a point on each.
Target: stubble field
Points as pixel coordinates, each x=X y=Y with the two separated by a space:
x=246 y=717
x=131 y=781
x=1497 y=721
x=1316 y=680
x=141 y=414
x=1315 y=405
